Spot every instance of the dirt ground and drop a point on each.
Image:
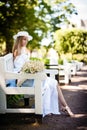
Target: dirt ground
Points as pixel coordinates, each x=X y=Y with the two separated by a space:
x=76 y=97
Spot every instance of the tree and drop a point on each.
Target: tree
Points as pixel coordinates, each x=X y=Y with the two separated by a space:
x=36 y=17
x=19 y=15
x=72 y=41
x=56 y=14
x=60 y=12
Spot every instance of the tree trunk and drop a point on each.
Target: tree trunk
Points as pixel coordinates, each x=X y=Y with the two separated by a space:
x=9 y=44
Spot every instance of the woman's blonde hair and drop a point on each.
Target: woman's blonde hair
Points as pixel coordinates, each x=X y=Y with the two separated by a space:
x=17 y=46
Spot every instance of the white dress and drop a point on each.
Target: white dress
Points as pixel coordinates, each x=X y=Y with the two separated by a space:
x=50 y=96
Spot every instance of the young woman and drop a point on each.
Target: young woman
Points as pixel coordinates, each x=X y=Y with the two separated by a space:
x=52 y=91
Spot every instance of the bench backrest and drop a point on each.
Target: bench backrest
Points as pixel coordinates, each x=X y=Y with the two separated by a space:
x=8 y=59
x=6 y=63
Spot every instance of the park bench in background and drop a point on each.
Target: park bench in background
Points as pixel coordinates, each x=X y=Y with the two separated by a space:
x=74 y=66
x=64 y=73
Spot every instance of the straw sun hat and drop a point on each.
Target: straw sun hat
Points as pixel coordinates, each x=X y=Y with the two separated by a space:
x=23 y=33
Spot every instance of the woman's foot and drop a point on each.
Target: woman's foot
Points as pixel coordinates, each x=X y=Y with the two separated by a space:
x=68 y=111
x=50 y=114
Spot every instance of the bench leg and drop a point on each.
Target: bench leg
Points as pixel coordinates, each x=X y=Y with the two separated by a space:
x=38 y=119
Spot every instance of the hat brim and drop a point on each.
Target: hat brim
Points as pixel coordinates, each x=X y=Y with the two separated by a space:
x=23 y=33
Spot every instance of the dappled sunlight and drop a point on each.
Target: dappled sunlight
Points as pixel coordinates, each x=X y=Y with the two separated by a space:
x=36 y=124
x=78 y=82
x=74 y=88
x=80 y=115
x=81 y=128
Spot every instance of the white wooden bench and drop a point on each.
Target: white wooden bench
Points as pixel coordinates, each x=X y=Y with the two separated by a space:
x=6 y=72
x=64 y=72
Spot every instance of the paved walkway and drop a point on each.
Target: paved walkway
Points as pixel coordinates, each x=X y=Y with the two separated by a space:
x=80 y=80
x=76 y=97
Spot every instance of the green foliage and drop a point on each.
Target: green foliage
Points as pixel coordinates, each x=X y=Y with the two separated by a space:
x=20 y=15
x=36 y=17
x=60 y=11
x=12 y=100
x=35 y=58
x=46 y=62
x=60 y=61
x=71 y=41
x=85 y=59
